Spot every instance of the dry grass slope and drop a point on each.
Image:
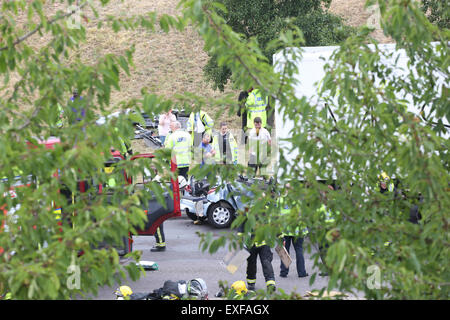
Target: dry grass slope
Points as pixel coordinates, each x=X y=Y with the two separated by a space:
x=167 y=64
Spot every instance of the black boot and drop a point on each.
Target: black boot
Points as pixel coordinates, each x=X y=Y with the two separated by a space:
x=157 y=249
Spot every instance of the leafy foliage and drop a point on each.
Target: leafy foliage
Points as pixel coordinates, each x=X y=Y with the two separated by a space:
x=48 y=254
x=264 y=20
x=375 y=133
x=438 y=12
x=38 y=256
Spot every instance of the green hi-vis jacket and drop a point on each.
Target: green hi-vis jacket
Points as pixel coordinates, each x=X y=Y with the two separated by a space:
x=217 y=140
x=294 y=231
x=329 y=217
x=181 y=144
x=256 y=107
x=205 y=119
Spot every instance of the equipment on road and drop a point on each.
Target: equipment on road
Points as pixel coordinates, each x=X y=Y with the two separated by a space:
x=197 y=288
x=171 y=290
x=284 y=255
x=234 y=259
x=148 y=265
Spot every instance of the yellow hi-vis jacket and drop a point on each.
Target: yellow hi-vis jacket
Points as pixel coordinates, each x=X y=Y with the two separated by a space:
x=327 y=214
x=256 y=107
x=294 y=231
x=181 y=145
x=206 y=120
x=217 y=140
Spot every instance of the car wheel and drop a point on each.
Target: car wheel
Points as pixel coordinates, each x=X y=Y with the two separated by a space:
x=220 y=215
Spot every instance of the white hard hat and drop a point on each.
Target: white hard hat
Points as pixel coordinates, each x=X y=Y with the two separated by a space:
x=182 y=182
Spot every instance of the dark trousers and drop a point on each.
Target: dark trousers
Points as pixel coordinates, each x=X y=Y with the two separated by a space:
x=300 y=260
x=265 y=256
x=183 y=172
x=323 y=247
x=159 y=236
x=256 y=167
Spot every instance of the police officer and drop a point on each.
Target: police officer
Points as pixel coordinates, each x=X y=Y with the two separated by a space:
x=242 y=112
x=181 y=144
x=256 y=107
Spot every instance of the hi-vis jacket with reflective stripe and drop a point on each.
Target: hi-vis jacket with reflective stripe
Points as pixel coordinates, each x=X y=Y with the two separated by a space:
x=327 y=214
x=217 y=140
x=256 y=107
x=181 y=144
x=202 y=116
x=294 y=231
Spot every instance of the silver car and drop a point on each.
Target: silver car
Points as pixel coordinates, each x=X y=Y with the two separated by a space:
x=217 y=205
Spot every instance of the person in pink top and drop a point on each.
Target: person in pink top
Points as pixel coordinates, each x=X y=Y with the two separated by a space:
x=164 y=124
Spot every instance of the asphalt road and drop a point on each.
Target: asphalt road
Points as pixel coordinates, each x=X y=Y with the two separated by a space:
x=183 y=260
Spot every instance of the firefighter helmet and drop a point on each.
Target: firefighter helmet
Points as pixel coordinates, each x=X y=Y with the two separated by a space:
x=197 y=288
x=123 y=291
x=239 y=287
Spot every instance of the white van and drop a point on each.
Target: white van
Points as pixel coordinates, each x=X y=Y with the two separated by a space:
x=309 y=76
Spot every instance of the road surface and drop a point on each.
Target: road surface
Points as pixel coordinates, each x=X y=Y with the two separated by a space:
x=183 y=260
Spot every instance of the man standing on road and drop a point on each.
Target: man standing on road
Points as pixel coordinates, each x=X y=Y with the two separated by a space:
x=265 y=254
x=259 y=143
x=180 y=143
x=242 y=112
x=294 y=235
x=225 y=146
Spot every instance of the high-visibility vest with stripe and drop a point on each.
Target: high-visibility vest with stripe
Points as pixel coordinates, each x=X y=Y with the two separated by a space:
x=181 y=144
x=301 y=229
x=328 y=215
x=256 y=107
x=59 y=122
x=233 y=148
x=390 y=186
x=202 y=116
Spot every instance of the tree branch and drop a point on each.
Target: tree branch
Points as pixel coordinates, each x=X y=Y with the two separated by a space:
x=29 y=34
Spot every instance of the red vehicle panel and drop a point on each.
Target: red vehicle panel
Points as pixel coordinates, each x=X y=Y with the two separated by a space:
x=155 y=212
